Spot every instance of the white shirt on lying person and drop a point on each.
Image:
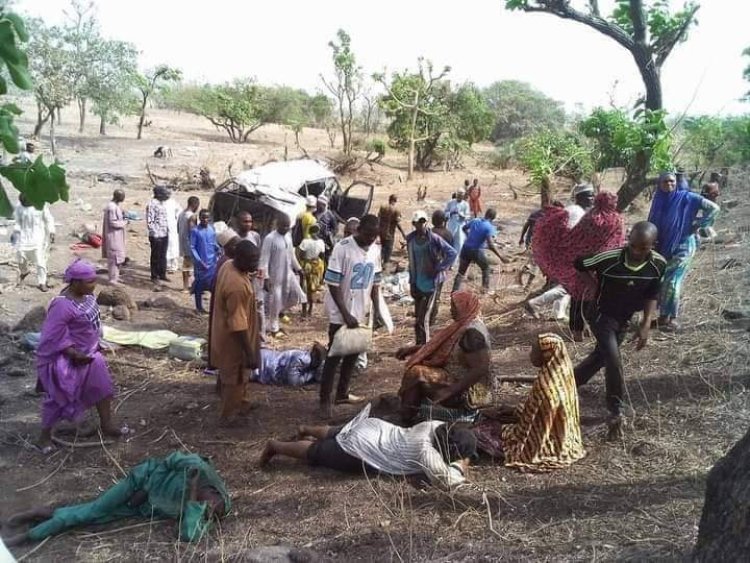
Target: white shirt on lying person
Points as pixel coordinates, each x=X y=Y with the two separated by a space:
x=399 y=451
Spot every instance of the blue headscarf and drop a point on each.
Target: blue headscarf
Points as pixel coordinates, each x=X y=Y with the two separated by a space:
x=673 y=214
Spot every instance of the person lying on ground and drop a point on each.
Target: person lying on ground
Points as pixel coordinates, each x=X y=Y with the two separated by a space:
x=547 y=431
x=452 y=370
x=181 y=487
x=71 y=369
x=440 y=451
x=628 y=280
x=290 y=367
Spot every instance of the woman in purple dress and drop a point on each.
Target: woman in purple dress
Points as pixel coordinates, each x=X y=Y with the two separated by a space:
x=71 y=368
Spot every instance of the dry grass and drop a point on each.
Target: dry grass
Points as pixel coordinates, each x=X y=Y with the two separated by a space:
x=637 y=499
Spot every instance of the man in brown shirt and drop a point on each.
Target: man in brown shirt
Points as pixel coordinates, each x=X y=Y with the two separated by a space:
x=389 y=217
x=235 y=335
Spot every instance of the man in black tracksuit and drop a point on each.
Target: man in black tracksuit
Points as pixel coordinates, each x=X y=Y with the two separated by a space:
x=628 y=281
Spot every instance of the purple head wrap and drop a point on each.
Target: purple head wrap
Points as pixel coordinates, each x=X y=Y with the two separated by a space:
x=79 y=270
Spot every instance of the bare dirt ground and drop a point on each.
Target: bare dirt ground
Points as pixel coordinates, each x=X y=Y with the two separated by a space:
x=638 y=499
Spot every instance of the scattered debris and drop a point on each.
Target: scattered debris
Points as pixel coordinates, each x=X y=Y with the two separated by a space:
x=163 y=151
x=110 y=177
x=161 y=302
x=731 y=263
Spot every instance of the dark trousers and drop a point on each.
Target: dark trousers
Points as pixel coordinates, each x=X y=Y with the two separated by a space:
x=158 y=257
x=386 y=250
x=329 y=371
x=469 y=256
x=609 y=334
x=436 y=304
x=579 y=312
x=423 y=305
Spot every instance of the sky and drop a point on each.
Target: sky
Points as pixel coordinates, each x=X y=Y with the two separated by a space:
x=286 y=42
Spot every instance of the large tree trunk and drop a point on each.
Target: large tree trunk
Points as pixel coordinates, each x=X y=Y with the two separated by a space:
x=724 y=531
x=41 y=120
x=635 y=182
x=81 y=114
x=102 y=125
x=651 y=76
x=52 y=142
x=546 y=192
x=142 y=118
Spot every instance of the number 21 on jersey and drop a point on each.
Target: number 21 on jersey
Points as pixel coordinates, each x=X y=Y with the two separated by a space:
x=362 y=275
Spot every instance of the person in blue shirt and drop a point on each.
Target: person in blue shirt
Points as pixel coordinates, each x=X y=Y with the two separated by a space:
x=430 y=256
x=479 y=238
x=205 y=253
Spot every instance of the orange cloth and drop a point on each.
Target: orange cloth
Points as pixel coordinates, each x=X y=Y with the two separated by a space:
x=475 y=202
x=234 y=311
x=548 y=432
x=437 y=351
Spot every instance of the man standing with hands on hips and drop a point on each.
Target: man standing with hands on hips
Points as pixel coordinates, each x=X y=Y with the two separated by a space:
x=353 y=279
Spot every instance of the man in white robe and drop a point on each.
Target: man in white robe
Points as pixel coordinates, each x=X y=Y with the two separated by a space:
x=281 y=271
x=33 y=232
x=173 y=243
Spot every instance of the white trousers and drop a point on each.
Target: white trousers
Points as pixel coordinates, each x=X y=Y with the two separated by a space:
x=36 y=257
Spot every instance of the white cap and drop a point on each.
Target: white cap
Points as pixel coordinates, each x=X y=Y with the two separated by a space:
x=322 y=199
x=311 y=201
x=225 y=236
x=419 y=216
x=583 y=189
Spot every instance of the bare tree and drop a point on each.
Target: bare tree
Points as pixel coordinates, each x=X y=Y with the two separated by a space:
x=346 y=85
x=148 y=83
x=410 y=93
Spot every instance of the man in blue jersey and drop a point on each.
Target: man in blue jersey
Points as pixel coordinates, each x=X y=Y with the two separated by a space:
x=479 y=239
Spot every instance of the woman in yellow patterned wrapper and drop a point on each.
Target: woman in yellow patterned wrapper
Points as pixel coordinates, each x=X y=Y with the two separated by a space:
x=548 y=432
x=311 y=254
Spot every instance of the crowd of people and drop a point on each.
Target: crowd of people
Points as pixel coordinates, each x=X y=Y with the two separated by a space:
x=447 y=392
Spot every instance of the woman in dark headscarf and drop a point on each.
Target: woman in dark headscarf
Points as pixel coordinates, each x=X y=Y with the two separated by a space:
x=675 y=212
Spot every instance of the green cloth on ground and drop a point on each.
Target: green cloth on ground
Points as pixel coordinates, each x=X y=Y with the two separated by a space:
x=152 y=339
x=166 y=483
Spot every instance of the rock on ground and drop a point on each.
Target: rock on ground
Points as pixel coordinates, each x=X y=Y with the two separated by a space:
x=32 y=321
x=159 y=303
x=724 y=532
x=271 y=554
x=121 y=313
x=116 y=296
